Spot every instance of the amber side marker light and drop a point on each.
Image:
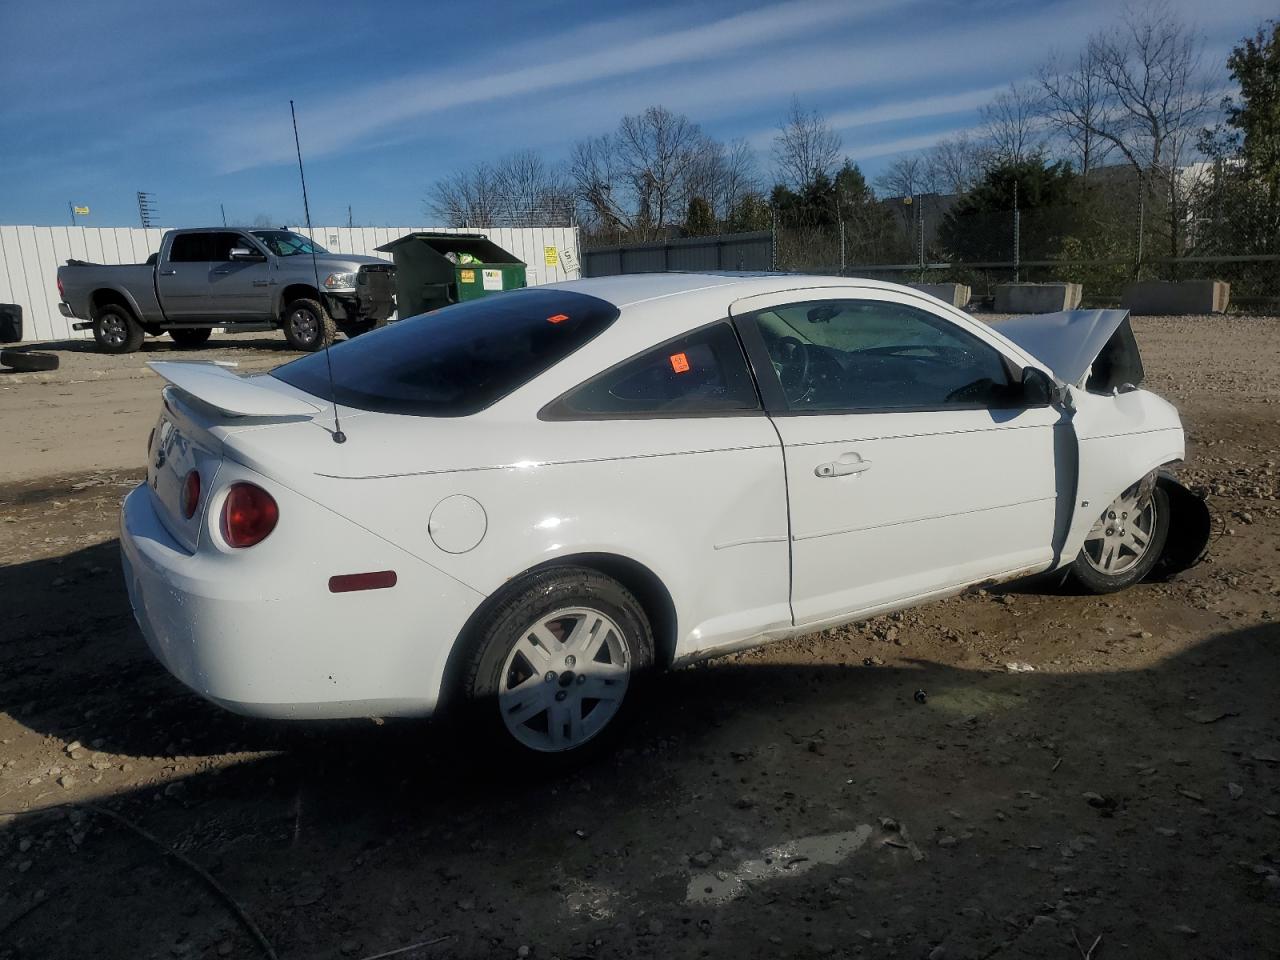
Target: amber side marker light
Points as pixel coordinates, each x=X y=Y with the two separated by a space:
x=350 y=582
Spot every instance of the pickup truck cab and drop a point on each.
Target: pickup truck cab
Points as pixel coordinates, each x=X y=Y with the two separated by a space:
x=238 y=279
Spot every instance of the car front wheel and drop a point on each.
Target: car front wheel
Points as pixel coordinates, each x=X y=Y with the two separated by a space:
x=1126 y=541
x=554 y=666
x=308 y=326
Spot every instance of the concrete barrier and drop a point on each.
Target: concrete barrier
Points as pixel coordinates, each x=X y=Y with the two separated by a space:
x=1181 y=296
x=1037 y=297
x=956 y=294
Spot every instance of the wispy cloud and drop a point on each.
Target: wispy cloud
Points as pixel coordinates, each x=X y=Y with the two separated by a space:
x=414 y=98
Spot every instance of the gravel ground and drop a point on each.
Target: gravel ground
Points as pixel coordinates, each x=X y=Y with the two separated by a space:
x=1079 y=768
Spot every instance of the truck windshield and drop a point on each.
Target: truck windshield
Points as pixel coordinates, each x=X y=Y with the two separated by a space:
x=286 y=243
x=458 y=360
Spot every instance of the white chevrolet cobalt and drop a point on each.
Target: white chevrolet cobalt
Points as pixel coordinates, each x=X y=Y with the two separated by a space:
x=519 y=504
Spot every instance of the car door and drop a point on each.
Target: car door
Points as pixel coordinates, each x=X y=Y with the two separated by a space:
x=239 y=289
x=679 y=433
x=913 y=463
x=182 y=277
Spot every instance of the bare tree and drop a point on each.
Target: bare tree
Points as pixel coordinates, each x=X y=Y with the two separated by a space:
x=467 y=197
x=639 y=180
x=1075 y=105
x=596 y=170
x=954 y=164
x=805 y=148
x=519 y=190
x=906 y=176
x=1012 y=125
x=1156 y=97
x=532 y=192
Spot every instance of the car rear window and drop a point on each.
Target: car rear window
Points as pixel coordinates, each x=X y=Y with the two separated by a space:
x=458 y=360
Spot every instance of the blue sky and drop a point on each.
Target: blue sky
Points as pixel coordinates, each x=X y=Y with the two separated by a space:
x=191 y=101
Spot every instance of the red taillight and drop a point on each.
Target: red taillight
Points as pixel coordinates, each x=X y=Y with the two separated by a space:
x=62 y=294
x=191 y=494
x=249 y=514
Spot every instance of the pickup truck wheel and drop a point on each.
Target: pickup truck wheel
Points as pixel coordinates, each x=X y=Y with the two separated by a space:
x=191 y=336
x=116 y=331
x=308 y=326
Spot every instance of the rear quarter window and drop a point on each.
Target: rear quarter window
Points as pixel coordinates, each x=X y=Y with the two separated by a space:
x=458 y=360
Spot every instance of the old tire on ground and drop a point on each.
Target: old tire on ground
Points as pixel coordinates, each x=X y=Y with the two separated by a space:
x=308 y=326
x=1126 y=541
x=189 y=337
x=553 y=667
x=116 y=330
x=28 y=361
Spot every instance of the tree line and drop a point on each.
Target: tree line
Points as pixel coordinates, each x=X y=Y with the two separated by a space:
x=1135 y=112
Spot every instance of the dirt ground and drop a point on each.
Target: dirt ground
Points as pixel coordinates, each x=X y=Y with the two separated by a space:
x=1085 y=777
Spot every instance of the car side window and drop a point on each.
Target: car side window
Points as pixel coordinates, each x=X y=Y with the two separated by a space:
x=861 y=355
x=704 y=372
x=191 y=248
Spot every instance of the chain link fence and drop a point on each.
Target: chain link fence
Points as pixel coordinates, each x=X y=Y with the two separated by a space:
x=1105 y=242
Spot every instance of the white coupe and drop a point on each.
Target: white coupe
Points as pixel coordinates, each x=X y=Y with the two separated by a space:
x=536 y=497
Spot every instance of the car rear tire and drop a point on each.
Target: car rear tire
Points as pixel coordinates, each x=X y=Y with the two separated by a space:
x=308 y=326
x=554 y=667
x=1126 y=541
x=191 y=337
x=28 y=361
x=116 y=330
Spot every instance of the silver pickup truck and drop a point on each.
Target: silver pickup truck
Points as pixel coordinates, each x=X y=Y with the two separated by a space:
x=236 y=279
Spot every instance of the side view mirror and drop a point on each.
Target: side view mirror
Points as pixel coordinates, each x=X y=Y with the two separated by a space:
x=244 y=254
x=1039 y=389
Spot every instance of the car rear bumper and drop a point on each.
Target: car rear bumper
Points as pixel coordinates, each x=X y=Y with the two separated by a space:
x=282 y=652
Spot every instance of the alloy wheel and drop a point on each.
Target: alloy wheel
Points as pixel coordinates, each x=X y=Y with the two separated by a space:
x=564 y=679
x=114 y=330
x=305 y=325
x=1121 y=537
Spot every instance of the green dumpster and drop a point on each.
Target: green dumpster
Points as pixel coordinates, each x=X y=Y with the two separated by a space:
x=434 y=270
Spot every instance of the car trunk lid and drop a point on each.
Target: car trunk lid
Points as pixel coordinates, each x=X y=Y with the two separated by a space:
x=203 y=404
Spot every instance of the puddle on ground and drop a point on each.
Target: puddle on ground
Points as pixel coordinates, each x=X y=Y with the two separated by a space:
x=788 y=859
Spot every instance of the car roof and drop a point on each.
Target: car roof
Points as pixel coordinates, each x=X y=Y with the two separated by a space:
x=625 y=290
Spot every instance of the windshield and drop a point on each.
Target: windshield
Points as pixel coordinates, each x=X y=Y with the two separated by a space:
x=456 y=361
x=286 y=243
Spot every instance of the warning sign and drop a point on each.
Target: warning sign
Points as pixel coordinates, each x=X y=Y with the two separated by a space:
x=552 y=256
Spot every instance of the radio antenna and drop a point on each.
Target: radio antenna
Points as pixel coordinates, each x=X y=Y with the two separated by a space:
x=338 y=435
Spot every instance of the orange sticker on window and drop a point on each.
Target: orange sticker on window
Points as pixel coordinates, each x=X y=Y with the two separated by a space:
x=558 y=318
x=679 y=363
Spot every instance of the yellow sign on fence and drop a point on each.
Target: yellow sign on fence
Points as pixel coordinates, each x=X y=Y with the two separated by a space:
x=552 y=256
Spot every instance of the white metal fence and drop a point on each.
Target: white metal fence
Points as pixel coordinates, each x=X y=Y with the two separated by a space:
x=30 y=257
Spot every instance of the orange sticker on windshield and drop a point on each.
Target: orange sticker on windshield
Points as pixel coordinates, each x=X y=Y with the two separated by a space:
x=558 y=318
x=679 y=363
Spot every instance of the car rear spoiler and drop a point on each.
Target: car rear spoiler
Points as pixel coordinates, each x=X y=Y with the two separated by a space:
x=230 y=393
x=1085 y=348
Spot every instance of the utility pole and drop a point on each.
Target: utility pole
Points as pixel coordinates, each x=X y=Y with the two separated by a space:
x=773 y=237
x=72 y=208
x=1017 y=236
x=349 y=223
x=223 y=208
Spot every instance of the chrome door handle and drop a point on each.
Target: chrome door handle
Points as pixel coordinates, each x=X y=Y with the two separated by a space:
x=847 y=465
x=262 y=283
x=168 y=273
